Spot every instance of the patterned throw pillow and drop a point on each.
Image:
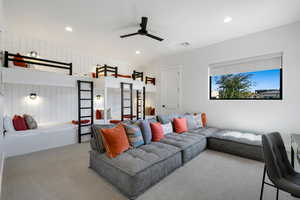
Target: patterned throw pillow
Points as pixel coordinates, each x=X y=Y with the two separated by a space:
x=30 y=121
x=168 y=128
x=134 y=135
x=198 y=120
x=191 y=121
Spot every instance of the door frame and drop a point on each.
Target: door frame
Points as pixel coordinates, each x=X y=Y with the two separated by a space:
x=179 y=68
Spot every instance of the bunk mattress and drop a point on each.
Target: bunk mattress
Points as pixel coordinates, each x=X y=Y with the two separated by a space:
x=45 y=137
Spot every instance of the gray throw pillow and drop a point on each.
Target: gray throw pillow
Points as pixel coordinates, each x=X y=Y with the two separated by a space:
x=30 y=121
x=146 y=131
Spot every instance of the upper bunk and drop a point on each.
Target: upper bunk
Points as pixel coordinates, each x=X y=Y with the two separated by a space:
x=108 y=77
x=20 y=69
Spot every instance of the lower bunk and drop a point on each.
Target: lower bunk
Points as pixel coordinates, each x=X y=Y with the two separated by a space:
x=15 y=143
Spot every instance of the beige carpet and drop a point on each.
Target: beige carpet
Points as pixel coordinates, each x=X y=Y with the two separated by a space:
x=63 y=174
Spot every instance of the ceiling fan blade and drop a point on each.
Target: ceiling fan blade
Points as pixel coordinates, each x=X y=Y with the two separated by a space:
x=128 y=35
x=154 y=37
x=144 y=23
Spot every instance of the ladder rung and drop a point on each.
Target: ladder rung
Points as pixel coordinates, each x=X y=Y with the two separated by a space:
x=86 y=82
x=89 y=133
x=85 y=116
x=85 y=90
x=86 y=108
x=83 y=125
x=85 y=99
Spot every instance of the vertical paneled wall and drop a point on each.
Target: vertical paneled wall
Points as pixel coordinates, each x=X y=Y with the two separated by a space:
x=55 y=104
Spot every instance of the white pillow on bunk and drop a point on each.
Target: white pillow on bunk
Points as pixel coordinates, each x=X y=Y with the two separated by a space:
x=8 y=124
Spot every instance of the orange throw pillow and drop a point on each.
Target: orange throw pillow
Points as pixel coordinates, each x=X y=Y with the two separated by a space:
x=157 y=131
x=204 y=120
x=115 y=140
x=19 y=58
x=180 y=125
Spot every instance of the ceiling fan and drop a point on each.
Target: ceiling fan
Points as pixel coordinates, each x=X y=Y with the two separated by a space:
x=143 y=31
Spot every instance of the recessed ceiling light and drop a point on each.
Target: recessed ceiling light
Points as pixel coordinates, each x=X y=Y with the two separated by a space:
x=227 y=19
x=137 y=52
x=69 y=28
x=185 y=44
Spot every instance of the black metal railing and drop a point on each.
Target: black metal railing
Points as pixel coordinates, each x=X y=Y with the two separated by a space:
x=150 y=80
x=136 y=75
x=105 y=70
x=36 y=61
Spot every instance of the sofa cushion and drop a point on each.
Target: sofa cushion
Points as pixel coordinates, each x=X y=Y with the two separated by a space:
x=137 y=169
x=238 y=136
x=146 y=131
x=167 y=128
x=115 y=140
x=190 y=144
x=198 y=120
x=242 y=144
x=157 y=131
x=191 y=121
x=134 y=135
x=96 y=131
x=205 y=131
x=164 y=119
x=180 y=125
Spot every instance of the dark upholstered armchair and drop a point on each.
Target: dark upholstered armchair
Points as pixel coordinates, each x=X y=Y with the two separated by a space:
x=277 y=166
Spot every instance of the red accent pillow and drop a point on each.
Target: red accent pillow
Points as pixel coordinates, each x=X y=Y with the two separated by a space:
x=115 y=140
x=157 y=131
x=19 y=123
x=86 y=121
x=98 y=114
x=180 y=125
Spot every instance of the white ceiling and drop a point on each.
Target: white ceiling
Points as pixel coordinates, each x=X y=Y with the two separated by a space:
x=97 y=24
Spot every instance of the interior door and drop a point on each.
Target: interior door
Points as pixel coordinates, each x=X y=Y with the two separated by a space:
x=170 y=90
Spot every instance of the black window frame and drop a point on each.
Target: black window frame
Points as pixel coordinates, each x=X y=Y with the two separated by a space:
x=262 y=99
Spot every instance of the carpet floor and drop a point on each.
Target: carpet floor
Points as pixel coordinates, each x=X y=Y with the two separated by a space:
x=63 y=174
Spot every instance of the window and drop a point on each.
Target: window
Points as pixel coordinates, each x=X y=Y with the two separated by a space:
x=257 y=78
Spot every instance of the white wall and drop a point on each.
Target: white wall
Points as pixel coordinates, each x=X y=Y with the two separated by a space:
x=261 y=116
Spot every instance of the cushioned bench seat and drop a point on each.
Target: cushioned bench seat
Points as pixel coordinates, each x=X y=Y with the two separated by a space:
x=238 y=143
x=190 y=144
x=137 y=169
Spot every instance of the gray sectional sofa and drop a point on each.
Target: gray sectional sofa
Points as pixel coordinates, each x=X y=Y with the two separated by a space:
x=138 y=169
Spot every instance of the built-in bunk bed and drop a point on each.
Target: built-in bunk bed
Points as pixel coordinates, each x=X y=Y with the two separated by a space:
x=18 y=69
x=130 y=89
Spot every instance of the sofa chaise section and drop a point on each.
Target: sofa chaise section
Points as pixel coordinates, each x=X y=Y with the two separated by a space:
x=136 y=170
x=242 y=144
x=190 y=144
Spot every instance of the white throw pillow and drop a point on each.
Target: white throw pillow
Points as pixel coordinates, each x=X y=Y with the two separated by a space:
x=8 y=124
x=167 y=128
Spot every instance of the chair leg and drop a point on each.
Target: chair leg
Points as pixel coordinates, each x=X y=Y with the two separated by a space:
x=263 y=184
x=277 y=192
